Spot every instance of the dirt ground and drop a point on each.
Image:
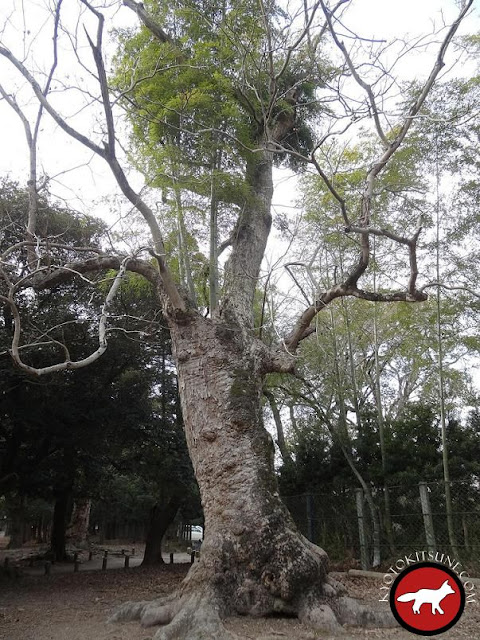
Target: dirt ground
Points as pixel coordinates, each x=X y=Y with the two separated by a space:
x=76 y=607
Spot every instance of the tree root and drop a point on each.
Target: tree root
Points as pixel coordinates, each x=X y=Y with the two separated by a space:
x=288 y=575
x=332 y=609
x=352 y=612
x=198 y=616
x=190 y=618
x=198 y=619
x=149 y=613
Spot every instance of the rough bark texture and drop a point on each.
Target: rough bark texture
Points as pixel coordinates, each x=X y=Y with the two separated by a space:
x=161 y=517
x=248 y=247
x=77 y=530
x=253 y=561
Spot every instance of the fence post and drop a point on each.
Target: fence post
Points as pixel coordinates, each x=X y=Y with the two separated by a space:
x=104 y=561
x=361 y=529
x=127 y=561
x=171 y=558
x=427 y=517
x=310 y=517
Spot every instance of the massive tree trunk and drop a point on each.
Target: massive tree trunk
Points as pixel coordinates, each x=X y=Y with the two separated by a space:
x=254 y=561
x=161 y=517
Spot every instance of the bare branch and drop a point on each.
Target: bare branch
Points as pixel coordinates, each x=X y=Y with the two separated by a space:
x=366 y=87
x=66 y=364
x=65 y=273
x=350 y=284
x=108 y=153
x=448 y=287
x=48 y=107
x=147 y=20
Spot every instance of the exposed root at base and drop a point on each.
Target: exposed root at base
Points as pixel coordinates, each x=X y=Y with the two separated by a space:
x=336 y=609
x=199 y=616
x=352 y=612
x=188 y=618
x=198 y=619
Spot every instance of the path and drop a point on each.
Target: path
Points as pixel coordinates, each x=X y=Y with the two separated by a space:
x=114 y=561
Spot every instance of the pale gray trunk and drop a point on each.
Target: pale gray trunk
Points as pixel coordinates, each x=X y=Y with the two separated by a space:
x=377 y=392
x=344 y=438
x=441 y=386
x=282 y=445
x=185 y=267
x=242 y=269
x=77 y=530
x=213 y=258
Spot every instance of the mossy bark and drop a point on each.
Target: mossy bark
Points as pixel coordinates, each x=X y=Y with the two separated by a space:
x=254 y=561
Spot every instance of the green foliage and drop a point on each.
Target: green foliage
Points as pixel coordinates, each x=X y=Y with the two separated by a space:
x=77 y=429
x=413 y=448
x=54 y=221
x=318 y=464
x=200 y=104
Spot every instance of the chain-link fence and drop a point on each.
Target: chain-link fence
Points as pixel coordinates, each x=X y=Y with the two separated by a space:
x=328 y=520
x=389 y=523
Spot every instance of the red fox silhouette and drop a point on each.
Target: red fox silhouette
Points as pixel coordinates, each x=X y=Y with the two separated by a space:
x=432 y=596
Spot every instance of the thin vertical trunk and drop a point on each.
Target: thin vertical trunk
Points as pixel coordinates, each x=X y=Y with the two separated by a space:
x=377 y=393
x=184 y=256
x=351 y=358
x=282 y=446
x=344 y=440
x=441 y=381
x=213 y=258
x=163 y=401
x=213 y=266
x=443 y=426
x=293 y=419
x=381 y=432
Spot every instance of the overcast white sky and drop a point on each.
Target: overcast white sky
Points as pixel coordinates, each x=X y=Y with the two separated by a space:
x=90 y=188
x=84 y=188
x=384 y=19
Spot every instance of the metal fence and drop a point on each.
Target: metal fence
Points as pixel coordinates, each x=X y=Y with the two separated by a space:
x=410 y=518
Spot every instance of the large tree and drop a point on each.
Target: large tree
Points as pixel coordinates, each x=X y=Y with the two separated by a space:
x=254 y=561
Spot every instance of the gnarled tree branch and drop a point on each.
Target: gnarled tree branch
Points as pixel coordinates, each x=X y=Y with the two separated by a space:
x=350 y=285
